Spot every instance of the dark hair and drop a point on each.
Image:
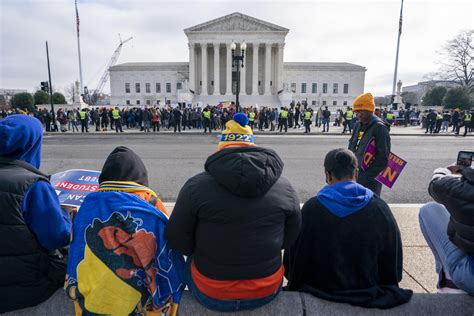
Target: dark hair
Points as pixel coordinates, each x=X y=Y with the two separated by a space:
x=341 y=163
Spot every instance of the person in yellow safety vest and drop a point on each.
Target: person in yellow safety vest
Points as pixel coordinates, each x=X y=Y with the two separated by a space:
x=307 y=121
x=284 y=119
x=206 y=114
x=251 y=119
x=348 y=120
x=390 y=117
x=467 y=122
x=117 y=119
x=84 y=121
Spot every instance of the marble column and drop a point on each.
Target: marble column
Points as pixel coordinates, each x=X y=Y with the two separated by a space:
x=216 y=68
x=243 y=76
x=255 y=69
x=192 y=78
x=281 y=46
x=268 y=65
x=204 y=68
x=228 y=73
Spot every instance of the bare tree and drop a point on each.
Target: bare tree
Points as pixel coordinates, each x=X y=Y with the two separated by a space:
x=381 y=101
x=457 y=64
x=70 y=93
x=411 y=97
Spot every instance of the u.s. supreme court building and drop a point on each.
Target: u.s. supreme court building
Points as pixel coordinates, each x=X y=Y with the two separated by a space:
x=210 y=78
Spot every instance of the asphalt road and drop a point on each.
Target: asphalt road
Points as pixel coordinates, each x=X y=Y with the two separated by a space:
x=172 y=159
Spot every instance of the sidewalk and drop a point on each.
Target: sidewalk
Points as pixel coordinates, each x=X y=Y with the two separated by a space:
x=334 y=130
x=418 y=261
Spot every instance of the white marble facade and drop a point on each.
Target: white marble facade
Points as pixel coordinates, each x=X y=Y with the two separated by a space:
x=209 y=77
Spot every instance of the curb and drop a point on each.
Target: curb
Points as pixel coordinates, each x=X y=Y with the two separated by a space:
x=391 y=205
x=255 y=133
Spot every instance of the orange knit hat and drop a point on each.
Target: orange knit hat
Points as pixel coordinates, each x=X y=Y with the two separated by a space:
x=363 y=102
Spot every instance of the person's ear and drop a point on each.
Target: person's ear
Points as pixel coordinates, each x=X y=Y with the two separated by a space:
x=328 y=177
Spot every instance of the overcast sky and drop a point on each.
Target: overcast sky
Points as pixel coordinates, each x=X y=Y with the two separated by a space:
x=359 y=32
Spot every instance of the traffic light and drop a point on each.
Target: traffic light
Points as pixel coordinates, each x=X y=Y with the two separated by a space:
x=44 y=86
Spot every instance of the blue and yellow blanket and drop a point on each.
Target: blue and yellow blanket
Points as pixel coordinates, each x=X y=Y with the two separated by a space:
x=119 y=262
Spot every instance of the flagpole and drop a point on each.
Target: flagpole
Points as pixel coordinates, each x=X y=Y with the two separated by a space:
x=79 y=51
x=398 y=48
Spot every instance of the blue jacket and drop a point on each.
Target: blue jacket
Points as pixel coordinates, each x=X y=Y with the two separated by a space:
x=21 y=138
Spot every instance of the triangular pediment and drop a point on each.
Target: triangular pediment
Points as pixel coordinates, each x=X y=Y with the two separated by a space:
x=236 y=22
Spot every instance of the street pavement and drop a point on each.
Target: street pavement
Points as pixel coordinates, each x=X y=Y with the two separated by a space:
x=334 y=130
x=173 y=158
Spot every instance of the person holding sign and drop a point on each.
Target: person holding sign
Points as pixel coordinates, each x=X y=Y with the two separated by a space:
x=369 y=127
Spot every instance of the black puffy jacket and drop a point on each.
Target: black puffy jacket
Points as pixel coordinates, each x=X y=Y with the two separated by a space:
x=237 y=216
x=457 y=194
x=28 y=275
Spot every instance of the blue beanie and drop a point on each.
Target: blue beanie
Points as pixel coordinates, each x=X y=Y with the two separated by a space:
x=241 y=118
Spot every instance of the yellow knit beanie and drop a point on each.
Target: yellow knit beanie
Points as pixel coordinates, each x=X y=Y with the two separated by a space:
x=236 y=133
x=363 y=102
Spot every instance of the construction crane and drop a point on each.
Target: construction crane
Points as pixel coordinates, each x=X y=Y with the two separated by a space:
x=105 y=75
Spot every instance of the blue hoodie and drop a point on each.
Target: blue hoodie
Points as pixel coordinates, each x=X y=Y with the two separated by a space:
x=20 y=138
x=344 y=198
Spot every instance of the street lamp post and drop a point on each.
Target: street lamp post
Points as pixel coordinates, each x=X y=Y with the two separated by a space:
x=237 y=62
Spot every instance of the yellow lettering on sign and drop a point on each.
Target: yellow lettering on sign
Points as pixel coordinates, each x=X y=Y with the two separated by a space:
x=388 y=173
x=367 y=158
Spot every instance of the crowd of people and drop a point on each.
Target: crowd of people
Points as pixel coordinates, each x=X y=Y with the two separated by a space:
x=231 y=221
x=214 y=118
x=442 y=121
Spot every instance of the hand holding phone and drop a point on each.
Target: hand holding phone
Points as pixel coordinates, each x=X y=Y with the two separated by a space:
x=464 y=159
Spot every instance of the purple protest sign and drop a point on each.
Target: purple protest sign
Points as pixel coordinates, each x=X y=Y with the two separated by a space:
x=390 y=174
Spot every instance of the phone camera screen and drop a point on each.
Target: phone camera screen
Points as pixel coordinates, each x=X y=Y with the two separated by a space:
x=465 y=159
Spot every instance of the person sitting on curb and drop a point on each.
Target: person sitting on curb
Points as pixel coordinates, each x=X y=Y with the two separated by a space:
x=349 y=249
x=232 y=221
x=448 y=227
x=119 y=262
x=32 y=224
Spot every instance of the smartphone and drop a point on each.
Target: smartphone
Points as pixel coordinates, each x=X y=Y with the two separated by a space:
x=465 y=158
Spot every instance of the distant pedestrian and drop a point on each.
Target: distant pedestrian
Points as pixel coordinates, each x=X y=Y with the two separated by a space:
x=206 y=115
x=348 y=120
x=466 y=122
x=84 y=121
x=177 y=119
x=155 y=120
x=284 y=119
x=446 y=121
x=431 y=122
x=117 y=117
x=455 y=121
x=439 y=122
x=326 y=119
x=307 y=121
